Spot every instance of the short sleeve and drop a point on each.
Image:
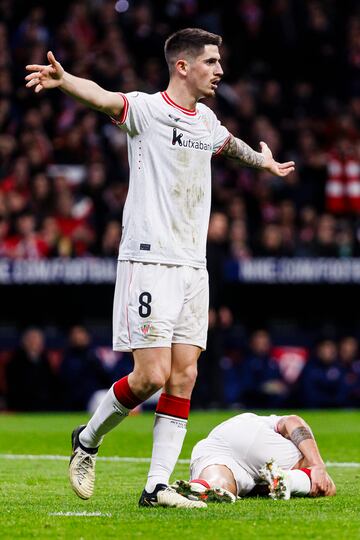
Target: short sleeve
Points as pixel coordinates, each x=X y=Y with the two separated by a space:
x=272 y=421
x=136 y=114
x=221 y=138
x=220 y=134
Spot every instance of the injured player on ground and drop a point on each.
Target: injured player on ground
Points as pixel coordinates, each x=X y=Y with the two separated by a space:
x=257 y=455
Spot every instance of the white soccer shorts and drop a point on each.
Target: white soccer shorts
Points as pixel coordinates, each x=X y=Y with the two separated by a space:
x=156 y=305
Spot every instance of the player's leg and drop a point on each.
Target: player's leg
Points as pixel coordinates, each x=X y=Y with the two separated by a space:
x=171 y=419
x=151 y=370
x=219 y=476
x=137 y=293
x=216 y=483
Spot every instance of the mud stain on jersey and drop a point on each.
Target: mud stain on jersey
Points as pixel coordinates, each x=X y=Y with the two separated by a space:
x=189 y=193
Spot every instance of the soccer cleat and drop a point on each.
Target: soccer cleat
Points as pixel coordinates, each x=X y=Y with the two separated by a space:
x=164 y=495
x=201 y=491
x=277 y=479
x=82 y=466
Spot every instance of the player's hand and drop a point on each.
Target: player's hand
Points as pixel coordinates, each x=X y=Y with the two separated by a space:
x=321 y=483
x=279 y=169
x=45 y=77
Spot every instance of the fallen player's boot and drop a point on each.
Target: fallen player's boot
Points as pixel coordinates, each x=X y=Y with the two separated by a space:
x=199 y=490
x=164 y=495
x=82 y=466
x=277 y=479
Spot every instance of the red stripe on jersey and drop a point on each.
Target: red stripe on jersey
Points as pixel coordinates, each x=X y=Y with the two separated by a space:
x=125 y=109
x=219 y=150
x=169 y=101
x=173 y=406
x=125 y=395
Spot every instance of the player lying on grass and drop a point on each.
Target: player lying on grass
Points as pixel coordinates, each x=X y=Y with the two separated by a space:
x=248 y=453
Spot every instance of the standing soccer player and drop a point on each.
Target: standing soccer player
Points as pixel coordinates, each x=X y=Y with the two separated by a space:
x=161 y=293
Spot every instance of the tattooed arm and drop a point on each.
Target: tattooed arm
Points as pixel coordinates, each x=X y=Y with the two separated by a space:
x=238 y=149
x=297 y=430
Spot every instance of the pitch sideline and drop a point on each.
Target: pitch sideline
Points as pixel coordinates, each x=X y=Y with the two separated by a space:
x=120 y=459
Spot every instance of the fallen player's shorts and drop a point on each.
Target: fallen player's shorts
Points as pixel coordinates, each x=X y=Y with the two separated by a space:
x=156 y=305
x=205 y=454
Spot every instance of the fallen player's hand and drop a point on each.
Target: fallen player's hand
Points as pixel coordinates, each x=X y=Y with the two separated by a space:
x=321 y=483
x=45 y=77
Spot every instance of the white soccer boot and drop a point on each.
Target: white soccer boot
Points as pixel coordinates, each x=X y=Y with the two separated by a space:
x=164 y=495
x=82 y=466
x=277 y=479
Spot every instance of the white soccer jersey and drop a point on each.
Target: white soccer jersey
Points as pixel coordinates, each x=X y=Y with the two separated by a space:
x=244 y=444
x=166 y=214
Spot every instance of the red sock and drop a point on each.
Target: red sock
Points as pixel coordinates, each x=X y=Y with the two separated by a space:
x=307 y=471
x=173 y=406
x=125 y=395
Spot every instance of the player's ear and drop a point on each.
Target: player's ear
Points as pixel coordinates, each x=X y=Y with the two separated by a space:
x=182 y=66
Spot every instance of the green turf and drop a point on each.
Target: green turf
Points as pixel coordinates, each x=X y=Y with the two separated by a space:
x=31 y=490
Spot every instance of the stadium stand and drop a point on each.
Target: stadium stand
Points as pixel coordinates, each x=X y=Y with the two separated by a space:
x=292 y=78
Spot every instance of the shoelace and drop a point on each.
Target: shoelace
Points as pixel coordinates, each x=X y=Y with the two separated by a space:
x=85 y=463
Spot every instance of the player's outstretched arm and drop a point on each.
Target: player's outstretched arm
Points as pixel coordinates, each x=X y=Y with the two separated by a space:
x=53 y=75
x=298 y=431
x=238 y=149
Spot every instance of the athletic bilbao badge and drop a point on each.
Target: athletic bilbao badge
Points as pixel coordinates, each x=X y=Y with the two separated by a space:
x=146 y=328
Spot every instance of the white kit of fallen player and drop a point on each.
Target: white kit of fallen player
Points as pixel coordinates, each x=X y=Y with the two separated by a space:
x=253 y=455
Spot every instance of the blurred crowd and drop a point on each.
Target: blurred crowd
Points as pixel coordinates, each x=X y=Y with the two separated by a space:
x=239 y=370
x=292 y=79
x=36 y=376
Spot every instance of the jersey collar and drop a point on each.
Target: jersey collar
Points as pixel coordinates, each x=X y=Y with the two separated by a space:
x=169 y=101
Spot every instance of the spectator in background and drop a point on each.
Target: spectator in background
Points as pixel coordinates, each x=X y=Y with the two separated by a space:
x=350 y=363
x=75 y=229
x=321 y=379
x=42 y=196
x=306 y=231
x=272 y=242
x=324 y=244
x=26 y=243
x=81 y=372
x=234 y=374
x=208 y=390
x=239 y=240
x=30 y=382
x=266 y=387
x=216 y=254
x=111 y=239
x=4 y=228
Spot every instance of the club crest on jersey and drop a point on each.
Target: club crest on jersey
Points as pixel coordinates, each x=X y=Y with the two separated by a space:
x=146 y=328
x=177 y=138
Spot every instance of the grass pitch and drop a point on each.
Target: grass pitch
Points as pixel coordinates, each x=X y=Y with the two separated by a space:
x=37 y=502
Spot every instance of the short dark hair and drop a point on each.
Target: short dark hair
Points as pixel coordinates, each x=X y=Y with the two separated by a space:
x=190 y=42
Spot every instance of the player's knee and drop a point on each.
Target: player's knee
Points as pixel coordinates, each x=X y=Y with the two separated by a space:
x=186 y=377
x=190 y=375
x=149 y=382
x=157 y=380
x=219 y=476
